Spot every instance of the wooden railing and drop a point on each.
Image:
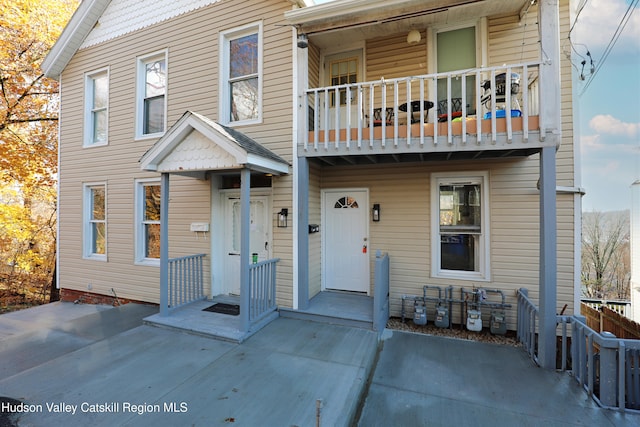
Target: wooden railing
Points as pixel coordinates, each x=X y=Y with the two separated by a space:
x=472 y=108
x=381 y=292
x=262 y=288
x=185 y=280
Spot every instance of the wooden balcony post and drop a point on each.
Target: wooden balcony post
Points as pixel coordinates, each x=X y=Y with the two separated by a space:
x=164 y=244
x=245 y=233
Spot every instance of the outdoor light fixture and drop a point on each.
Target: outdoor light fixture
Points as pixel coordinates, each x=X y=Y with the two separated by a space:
x=303 y=41
x=375 y=212
x=282 y=218
x=413 y=37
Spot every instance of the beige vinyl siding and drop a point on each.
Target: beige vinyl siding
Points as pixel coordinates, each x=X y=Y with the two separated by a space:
x=192 y=43
x=403 y=192
x=315 y=240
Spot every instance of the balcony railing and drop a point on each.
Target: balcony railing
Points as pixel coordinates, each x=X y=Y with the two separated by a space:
x=185 y=280
x=262 y=288
x=435 y=112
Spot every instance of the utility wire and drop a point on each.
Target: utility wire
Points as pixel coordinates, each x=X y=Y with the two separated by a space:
x=621 y=25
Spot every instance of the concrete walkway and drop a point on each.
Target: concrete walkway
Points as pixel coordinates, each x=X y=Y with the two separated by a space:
x=149 y=376
x=77 y=365
x=439 y=381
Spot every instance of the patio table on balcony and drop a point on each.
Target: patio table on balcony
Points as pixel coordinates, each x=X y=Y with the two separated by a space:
x=415 y=107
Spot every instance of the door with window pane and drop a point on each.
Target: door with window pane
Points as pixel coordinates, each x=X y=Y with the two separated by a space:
x=341 y=70
x=456 y=50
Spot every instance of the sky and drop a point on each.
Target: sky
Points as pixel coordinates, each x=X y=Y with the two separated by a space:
x=608 y=124
x=607 y=104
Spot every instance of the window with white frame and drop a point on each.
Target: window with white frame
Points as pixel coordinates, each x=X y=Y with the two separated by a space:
x=151 y=100
x=147 y=221
x=95 y=221
x=460 y=225
x=96 y=112
x=241 y=75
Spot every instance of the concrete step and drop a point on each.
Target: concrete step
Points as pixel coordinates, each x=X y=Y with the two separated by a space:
x=325 y=318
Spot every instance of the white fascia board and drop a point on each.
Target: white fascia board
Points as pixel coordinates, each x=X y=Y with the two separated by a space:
x=80 y=25
x=266 y=165
x=331 y=10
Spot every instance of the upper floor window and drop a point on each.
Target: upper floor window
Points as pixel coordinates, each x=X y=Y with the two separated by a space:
x=241 y=75
x=343 y=71
x=148 y=221
x=96 y=111
x=460 y=244
x=151 y=102
x=95 y=221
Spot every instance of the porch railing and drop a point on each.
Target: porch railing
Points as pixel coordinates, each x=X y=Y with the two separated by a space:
x=185 y=280
x=471 y=104
x=381 y=292
x=608 y=368
x=527 y=324
x=262 y=289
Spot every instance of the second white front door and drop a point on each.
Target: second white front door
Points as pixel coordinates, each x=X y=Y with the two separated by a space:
x=346 y=240
x=259 y=237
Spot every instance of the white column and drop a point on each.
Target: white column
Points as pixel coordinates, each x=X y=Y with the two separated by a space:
x=245 y=233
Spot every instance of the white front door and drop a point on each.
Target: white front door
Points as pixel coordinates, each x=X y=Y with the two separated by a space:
x=346 y=240
x=259 y=237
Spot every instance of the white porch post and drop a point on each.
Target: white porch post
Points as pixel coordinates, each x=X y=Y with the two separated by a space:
x=164 y=244
x=245 y=223
x=550 y=128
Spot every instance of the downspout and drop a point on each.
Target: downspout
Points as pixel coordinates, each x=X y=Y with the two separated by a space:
x=57 y=267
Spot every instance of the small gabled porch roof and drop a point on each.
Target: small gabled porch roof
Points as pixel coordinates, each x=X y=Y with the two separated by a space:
x=196 y=144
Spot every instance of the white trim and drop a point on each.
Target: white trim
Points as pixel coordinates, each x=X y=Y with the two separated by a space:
x=484 y=262
x=139 y=246
x=87 y=234
x=141 y=61
x=89 y=101
x=223 y=100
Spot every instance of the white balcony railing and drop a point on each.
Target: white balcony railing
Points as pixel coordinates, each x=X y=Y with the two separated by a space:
x=444 y=109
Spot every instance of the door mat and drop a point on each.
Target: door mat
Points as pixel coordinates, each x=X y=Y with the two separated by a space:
x=232 y=309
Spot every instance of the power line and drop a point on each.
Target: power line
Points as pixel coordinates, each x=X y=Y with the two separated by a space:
x=621 y=25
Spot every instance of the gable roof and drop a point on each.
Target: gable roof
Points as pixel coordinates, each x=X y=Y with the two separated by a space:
x=79 y=26
x=96 y=21
x=196 y=143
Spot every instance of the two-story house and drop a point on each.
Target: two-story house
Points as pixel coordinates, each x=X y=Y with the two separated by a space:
x=269 y=149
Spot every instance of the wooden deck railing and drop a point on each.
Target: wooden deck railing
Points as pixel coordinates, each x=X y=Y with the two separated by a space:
x=185 y=280
x=262 y=288
x=472 y=108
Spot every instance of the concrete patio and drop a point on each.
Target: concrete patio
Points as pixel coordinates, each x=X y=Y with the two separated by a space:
x=115 y=371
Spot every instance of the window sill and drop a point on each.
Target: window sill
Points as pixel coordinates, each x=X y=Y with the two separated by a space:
x=149 y=136
x=461 y=275
x=149 y=262
x=95 y=257
x=95 y=144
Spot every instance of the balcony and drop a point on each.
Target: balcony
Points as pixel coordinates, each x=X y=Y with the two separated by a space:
x=454 y=115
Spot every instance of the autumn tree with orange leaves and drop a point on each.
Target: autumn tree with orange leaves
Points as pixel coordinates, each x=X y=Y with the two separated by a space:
x=28 y=145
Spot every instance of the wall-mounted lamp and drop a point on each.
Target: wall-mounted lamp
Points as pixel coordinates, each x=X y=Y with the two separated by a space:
x=413 y=37
x=303 y=41
x=282 y=217
x=375 y=212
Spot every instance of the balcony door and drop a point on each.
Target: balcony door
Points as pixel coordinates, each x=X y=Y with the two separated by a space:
x=342 y=69
x=456 y=50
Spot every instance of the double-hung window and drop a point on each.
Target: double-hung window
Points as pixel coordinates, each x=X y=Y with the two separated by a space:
x=460 y=226
x=95 y=221
x=147 y=221
x=96 y=112
x=241 y=75
x=151 y=102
